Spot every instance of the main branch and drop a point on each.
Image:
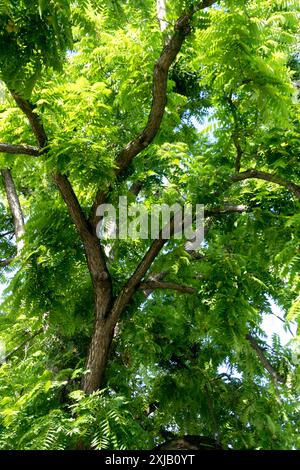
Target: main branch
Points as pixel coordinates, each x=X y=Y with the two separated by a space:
x=159 y=97
x=94 y=253
x=256 y=174
x=19 y=149
x=151 y=285
x=33 y=118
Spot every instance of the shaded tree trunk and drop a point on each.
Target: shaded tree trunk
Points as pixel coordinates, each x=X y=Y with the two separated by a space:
x=100 y=343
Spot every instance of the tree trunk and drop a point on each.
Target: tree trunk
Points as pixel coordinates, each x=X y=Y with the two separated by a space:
x=101 y=341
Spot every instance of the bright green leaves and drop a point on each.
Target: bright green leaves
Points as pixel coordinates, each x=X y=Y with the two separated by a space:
x=32 y=36
x=247 y=57
x=100 y=421
x=189 y=354
x=79 y=116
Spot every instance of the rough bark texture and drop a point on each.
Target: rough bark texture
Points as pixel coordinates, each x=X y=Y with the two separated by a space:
x=103 y=326
x=99 y=347
x=151 y=285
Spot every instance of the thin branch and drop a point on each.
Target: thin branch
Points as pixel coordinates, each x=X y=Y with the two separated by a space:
x=236 y=135
x=226 y=209
x=263 y=359
x=19 y=149
x=256 y=174
x=239 y=151
x=133 y=282
x=159 y=98
x=151 y=285
x=4 y=234
x=283 y=321
x=15 y=206
x=155 y=277
x=7 y=261
x=17 y=348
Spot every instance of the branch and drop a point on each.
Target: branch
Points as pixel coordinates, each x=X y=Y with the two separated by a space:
x=256 y=174
x=151 y=285
x=95 y=256
x=236 y=134
x=263 y=359
x=159 y=97
x=159 y=91
x=16 y=349
x=239 y=152
x=6 y=262
x=93 y=250
x=34 y=120
x=15 y=207
x=226 y=209
x=4 y=234
x=133 y=282
x=19 y=149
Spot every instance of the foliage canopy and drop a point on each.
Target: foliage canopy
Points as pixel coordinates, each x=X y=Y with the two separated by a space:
x=98 y=100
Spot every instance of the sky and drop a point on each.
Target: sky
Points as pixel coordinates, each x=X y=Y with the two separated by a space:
x=273 y=325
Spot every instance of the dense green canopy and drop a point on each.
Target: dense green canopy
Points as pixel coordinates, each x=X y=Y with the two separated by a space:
x=117 y=344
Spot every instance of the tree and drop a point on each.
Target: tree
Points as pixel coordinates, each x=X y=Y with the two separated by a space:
x=127 y=343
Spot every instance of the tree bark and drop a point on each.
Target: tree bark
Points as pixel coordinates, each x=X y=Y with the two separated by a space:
x=103 y=326
x=100 y=344
x=19 y=149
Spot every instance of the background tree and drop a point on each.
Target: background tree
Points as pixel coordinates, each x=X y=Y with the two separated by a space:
x=127 y=343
